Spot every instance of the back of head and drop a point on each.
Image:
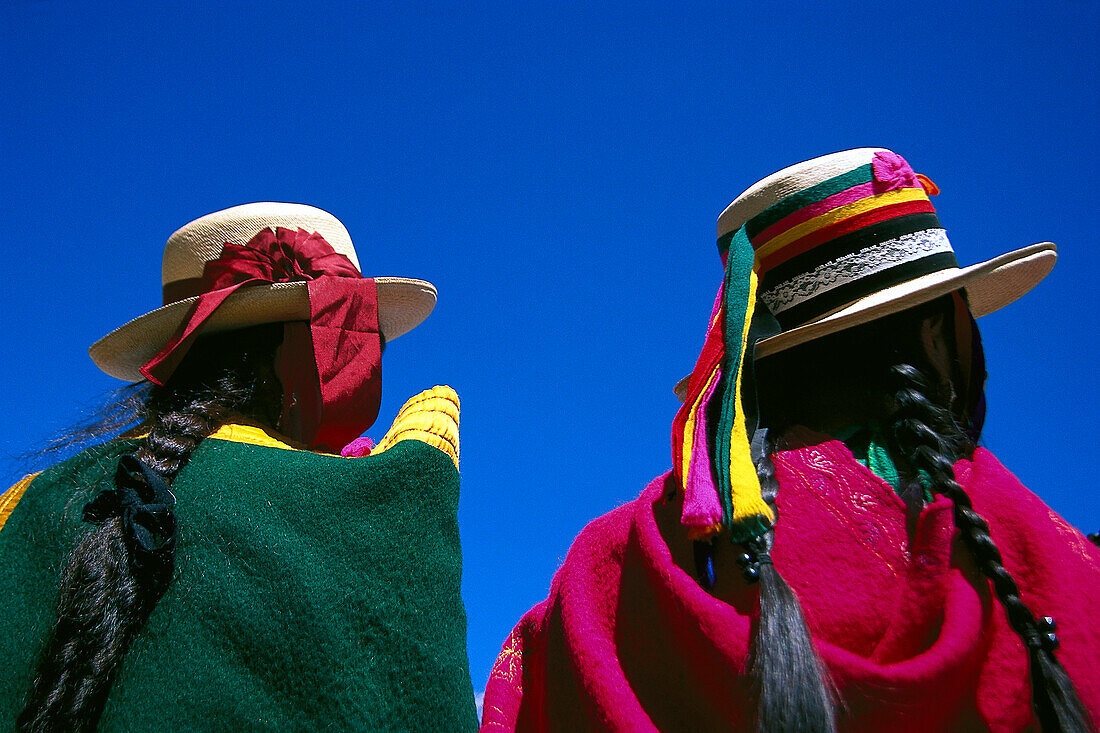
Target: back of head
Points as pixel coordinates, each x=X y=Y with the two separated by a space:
x=843 y=379
x=109 y=587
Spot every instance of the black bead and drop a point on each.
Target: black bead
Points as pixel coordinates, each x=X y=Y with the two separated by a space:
x=744 y=559
x=1050 y=641
x=1046 y=623
x=750 y=574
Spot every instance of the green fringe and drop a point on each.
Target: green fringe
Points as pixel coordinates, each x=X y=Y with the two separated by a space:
x=735 y=300
x=754 y=526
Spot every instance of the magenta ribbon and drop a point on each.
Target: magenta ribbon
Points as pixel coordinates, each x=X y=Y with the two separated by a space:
x=328 y=399
x=891 y=171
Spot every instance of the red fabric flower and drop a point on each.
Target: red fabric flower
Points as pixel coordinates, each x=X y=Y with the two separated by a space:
x=280 y=256
x=330 y=366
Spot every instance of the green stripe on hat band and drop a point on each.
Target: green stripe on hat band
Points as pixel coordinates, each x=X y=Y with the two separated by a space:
x=724 y=242
x=787 y=206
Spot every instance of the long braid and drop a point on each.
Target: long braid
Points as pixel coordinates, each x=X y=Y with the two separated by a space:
x=106 y=598
x=791 y=683
x=929 y=441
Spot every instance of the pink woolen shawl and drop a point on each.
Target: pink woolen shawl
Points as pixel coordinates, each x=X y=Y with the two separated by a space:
x=629 y=641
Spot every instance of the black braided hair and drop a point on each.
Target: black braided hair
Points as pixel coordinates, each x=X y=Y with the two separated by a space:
x=792 y=686
x=904 y=372
x=929 y=440
x=105 y=597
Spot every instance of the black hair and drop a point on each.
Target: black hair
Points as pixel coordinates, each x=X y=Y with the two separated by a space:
x=928 y=439
x=105 y=596
x=792 y=686
x=883 y=372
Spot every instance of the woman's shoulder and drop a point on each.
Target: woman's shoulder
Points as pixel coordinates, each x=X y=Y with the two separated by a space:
x=994 y=489
x=1027 y=530
x=52 y=489
x=429 y=418
x=415 y=463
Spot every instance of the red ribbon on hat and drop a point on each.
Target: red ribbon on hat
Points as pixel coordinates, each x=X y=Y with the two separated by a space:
x=328 y=399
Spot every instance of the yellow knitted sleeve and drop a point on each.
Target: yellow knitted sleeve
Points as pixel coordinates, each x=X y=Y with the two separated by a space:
x=430 y=417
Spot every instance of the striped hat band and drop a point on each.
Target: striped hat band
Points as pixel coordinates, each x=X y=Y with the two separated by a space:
x=855 y=228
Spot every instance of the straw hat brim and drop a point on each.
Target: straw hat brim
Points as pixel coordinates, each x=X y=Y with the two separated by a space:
x=990 y=286
x=403 y=303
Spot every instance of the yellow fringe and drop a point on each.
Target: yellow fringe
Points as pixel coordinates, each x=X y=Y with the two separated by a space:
x=744 y=485
x=704 y=533
x=11 y=497
x=689 y=431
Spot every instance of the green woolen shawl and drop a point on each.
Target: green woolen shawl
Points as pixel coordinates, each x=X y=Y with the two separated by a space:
x=310 y=591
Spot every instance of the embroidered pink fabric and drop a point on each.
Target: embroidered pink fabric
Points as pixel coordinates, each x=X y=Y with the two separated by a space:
x=629 y=641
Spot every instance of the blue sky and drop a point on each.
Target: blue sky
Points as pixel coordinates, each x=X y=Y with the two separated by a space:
x=556 y=170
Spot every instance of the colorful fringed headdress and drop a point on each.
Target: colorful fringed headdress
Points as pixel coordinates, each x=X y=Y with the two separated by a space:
x=811 y=250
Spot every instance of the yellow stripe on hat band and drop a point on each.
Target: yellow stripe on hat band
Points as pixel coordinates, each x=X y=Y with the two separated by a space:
x=877 y=201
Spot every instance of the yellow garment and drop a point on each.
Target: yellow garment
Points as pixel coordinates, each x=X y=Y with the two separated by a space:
x=11 y=497
x=430 y=417
x=249 y=434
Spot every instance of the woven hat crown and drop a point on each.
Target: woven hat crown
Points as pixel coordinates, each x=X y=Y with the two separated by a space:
x=788 y=182
x=193 y=245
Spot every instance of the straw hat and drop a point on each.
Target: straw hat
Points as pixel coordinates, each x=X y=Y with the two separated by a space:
x=849 y=237
x=402 y=302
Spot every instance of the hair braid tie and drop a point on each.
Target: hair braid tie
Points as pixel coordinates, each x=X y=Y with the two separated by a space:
x=755 y=554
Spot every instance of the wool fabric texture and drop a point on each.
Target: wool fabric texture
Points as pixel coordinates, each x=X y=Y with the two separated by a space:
x=311 y=591
x=628 y=640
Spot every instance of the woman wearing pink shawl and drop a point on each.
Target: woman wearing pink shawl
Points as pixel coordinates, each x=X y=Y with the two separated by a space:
x=831 y=550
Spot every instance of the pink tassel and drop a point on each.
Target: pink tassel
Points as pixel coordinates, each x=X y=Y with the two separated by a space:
x=702 y=513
